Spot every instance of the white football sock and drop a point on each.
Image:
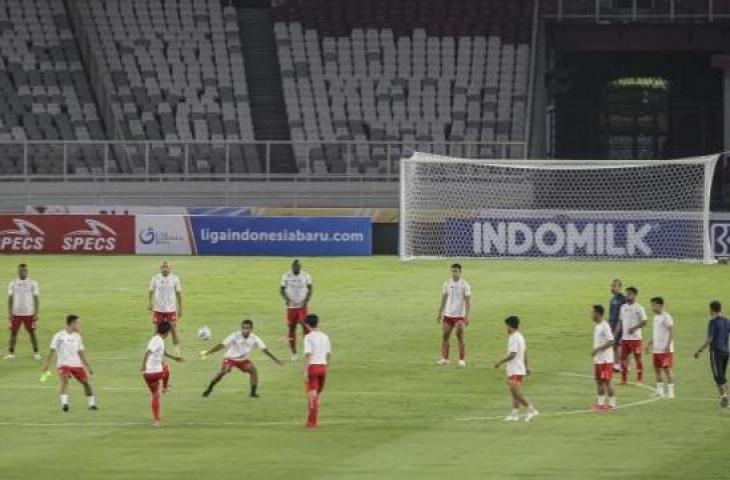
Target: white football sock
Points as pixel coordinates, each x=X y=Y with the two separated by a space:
x=91 y=400
x=601 y=400
x=64 y=399
x=612 y=401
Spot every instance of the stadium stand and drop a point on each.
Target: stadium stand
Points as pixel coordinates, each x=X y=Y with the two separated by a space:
x=44 y=91
x=176 y=74
x=409 y=71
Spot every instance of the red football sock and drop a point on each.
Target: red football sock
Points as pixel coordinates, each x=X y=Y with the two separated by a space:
x=639 y=368
x=313 y=409
x=165 y=377
x=624 y=370
x=156 y=406
x=293 y=341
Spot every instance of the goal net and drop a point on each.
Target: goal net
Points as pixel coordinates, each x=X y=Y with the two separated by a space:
x=604 y=210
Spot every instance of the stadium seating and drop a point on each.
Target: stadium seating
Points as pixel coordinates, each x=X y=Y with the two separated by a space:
x=44 y=90
x=176 y=74
x=409 y=71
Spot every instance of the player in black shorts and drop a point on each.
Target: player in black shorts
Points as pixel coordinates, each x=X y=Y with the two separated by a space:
x=718 y=332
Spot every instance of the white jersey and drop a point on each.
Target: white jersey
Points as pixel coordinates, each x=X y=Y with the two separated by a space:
x=317 y=345
x=662 y=323
x=516 y=344
x=456 y=293
x=631 y=315
x=67 y=347
x=23 y=292
x=238 y=346
x=164 y=289
x=156 y=355
x=602 y=335
x=296 y=287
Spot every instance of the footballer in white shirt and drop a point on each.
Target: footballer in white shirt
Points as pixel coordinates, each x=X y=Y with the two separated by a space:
x=633 y=319
x=517 y=369
x=454 y=313
x=662 y=342
x=295 y=289
x=68 y=346
x=602 y=353
x=23 y=305
x=239 y=346
x=155 y=372
x=317 y=352
x=165 y=301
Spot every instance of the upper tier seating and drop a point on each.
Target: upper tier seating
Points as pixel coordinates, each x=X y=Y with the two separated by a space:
x=44 y=91
x=176 y=73
x=409 y=71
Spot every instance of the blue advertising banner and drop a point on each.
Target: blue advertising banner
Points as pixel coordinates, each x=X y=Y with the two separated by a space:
x=287 y=236
x=561 y=237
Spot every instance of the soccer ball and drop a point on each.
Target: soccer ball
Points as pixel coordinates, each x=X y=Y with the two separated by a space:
x=204 y=333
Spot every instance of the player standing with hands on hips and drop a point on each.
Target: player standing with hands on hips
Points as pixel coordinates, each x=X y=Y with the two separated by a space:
x=23 y=305
x=296 y=290
x=165 y=301
x=454 y=313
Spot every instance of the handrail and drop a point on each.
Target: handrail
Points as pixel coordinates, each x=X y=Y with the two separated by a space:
x=600 y=11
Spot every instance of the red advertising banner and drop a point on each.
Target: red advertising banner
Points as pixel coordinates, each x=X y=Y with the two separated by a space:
x=72 y=234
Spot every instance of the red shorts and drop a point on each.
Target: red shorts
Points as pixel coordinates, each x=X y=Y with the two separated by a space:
x=664 y=360
x=296 y=316
x=242 y=365
x=603 y=372
x=516 y=378
x=159 y=317
x=631 y=346
x=453 y=321
x=24 y=320
x=317 y=374
x=153 y=379
x=79 y=373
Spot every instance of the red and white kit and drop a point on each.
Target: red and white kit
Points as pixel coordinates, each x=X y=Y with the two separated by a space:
x=164 y=299
x=296 y=288
x=23 y=307
x=631 y=315
x=603 y=360
x=516 y=368
x=238 y=350
x=68 y=362
x=455 y=308
x=317 y=347
x=663 y=356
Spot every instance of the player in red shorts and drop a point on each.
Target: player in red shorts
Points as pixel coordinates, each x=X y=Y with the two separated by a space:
x=69 y=347
x=296 y=290
x=23 y=305
x=317 y=352
x=602 y=354
x=663 y=344
x=633 y=319
x=154 y=369
x=454 y=313
x=165 y=301
x=238 y=347
x=517 y=368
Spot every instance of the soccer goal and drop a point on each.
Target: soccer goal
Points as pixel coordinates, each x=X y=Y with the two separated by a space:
x=591 y=210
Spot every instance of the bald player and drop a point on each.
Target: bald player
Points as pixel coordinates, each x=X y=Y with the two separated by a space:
x=165 y=301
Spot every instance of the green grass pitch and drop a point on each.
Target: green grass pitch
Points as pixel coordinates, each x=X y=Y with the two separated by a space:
x=389 y=412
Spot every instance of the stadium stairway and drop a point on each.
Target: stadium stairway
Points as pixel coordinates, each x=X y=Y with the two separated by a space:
x=268 y=110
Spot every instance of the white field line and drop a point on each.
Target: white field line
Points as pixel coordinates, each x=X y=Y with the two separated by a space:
x=572 y=412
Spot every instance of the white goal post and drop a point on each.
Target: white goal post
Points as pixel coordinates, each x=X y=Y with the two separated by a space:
x=582 y=209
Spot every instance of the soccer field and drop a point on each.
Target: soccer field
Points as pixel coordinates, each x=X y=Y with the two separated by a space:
x=389 y=412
